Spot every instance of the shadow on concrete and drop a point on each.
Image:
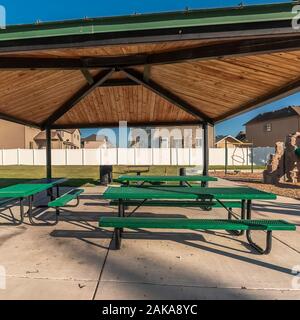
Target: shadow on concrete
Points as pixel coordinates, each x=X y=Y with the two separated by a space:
x=290 y=209
x=183 y=238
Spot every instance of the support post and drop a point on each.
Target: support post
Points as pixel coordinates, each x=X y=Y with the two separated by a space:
x=252 y=159
x=48 y=153
x=226 y=157
x=205 y=150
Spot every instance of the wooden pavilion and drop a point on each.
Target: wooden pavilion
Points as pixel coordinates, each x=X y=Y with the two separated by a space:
x=185 y=68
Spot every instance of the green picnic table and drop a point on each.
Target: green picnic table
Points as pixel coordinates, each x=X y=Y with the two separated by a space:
x=207 y=195
x=28 y=191
x=126 y=179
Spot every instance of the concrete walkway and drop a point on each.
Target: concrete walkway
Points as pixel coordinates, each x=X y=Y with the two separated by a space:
x=73 y=260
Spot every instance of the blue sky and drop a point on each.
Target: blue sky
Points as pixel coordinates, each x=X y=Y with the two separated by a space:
x=28 y=11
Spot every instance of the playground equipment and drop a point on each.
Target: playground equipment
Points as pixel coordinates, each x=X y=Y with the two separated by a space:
x=284 y=165
x=241 y=156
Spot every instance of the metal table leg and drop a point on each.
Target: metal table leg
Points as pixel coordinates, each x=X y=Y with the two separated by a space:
x=231 y=214
x=118 y=231
x=31 y=218
x=260 y=250
x=21 y=211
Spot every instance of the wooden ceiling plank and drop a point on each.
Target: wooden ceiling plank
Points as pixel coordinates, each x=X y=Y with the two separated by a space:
x=276 y=94
x=169 y=96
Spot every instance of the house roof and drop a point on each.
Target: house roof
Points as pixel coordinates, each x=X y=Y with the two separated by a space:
x=278 y=114
x=42 y=135
x=227 y=138
x=94 y=137
x=177 y=68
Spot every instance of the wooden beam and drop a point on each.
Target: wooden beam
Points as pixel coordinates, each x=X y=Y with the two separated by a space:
x=230 y=49
x=167 y=95
x=119 y=83
x=129 y=124
x=9 y=118
x=147 y=72
x=227 y=31
x=88 y=76
x=277 y=94
x=78 y=96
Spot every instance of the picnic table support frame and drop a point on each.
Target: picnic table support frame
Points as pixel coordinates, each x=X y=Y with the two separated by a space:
x=118 y=231
x=268 y=246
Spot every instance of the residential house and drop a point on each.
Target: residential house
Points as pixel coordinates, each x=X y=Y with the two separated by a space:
x=228 y=141
x=60 y=139
x=268 y=128
x=170 y=137
x=242 y=136
x=17 y=136
x=95 y=142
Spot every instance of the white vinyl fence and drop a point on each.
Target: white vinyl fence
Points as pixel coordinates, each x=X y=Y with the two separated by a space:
x=148 y=157
x=87 y=157
x=240 y=156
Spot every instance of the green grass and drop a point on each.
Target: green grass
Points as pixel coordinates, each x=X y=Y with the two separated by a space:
x=77 y=175
x=85 y=175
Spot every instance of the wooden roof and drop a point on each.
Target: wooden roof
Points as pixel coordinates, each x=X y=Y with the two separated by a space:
x=173 y=68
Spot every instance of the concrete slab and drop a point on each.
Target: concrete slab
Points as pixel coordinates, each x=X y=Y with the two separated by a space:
x=202 y=259
x=64 y=258
x=66 y=261
x=144 y=291
x=47 y=289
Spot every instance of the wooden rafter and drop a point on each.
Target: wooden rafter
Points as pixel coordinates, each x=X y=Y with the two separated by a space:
x=18 y=120
x=129 y=124
x=231 y=49
x=78 y=96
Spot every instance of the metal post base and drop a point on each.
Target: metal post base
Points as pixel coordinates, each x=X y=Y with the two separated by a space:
x=117 y=238
x=260 y=250
x=31 y=217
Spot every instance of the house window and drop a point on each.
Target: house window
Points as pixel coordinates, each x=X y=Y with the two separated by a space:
x=163 y=142
x=198 y=142
x=177 y=143
x=268 y=127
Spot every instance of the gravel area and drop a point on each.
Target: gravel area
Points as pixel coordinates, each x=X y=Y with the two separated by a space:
x=255 y=180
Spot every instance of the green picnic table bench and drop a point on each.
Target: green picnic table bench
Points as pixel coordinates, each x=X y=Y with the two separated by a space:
x=28 y=191
x=198 y=224
x=64 y=200
x=244 y=195
x=127 y=179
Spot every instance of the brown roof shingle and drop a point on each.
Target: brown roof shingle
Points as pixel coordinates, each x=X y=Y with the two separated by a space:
x=278 y=114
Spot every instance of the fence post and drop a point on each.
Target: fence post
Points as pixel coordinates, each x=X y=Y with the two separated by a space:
x=83 y=157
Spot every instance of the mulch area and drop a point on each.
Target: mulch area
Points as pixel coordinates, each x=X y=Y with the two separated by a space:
x=255 y=180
